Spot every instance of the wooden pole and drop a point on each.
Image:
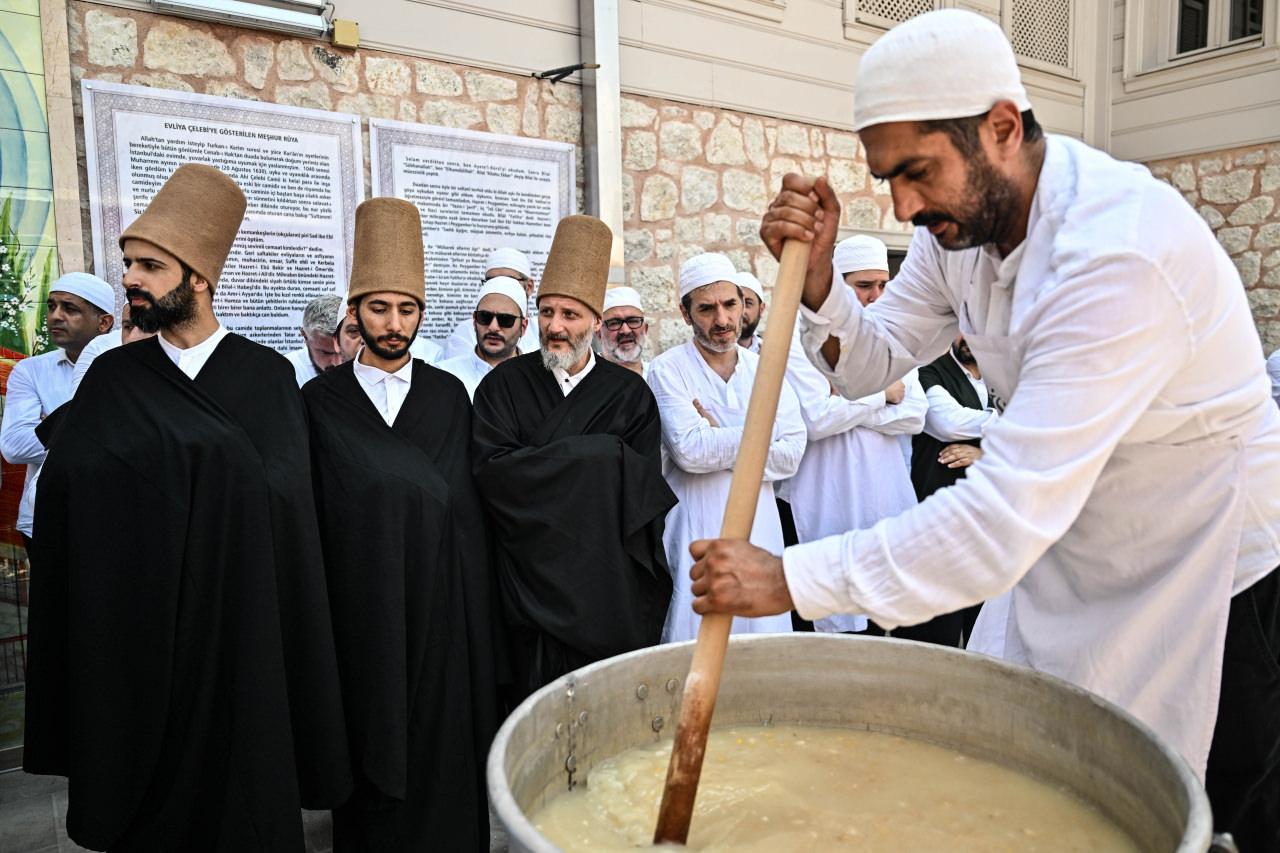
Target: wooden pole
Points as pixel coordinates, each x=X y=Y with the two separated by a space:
x=698 y=702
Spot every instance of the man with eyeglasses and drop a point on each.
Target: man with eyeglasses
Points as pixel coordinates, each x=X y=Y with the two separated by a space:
x=512 y=264
x=624 y=330
x=499 y=324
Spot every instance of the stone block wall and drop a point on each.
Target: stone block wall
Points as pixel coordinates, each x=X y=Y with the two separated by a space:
x=1238 y=194
x=694 y=178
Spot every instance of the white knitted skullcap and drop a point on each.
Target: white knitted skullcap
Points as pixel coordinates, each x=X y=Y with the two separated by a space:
x=507 y=286
x=861 y=253
x=616 y=297
x=750 y=282
x=705 y=269
x=949 y=63
x=511 y=259
x=88 y=287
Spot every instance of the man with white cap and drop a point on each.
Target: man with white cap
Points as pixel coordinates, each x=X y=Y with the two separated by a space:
x=499 y=325
x=511 y=263
x=319 y=351
x=752 y=309
x=79 y=308
x=1129 y=495
x=624 y=330
x=703 y=388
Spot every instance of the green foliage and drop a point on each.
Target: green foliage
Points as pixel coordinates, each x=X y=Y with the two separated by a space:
x=24 y=288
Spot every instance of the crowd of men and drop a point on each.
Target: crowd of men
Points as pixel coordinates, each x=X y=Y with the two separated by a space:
x=260 y=583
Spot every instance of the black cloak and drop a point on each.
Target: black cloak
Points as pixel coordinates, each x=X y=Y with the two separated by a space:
x=577 y=501
x=181 y=668
x=413 y=610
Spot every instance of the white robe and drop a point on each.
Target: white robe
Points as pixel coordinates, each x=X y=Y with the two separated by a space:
x=698 y=459
x=470 y=368
x=852 y=474
x=1131 y=485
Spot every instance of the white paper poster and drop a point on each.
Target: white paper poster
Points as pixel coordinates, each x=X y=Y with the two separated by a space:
x=301 y=171
x=476 y=192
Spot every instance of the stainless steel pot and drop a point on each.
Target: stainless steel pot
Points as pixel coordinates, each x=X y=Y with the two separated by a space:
x=990 y=709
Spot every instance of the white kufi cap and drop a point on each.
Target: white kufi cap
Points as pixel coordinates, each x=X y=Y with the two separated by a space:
x=616 y=297
x=750 y=282
x=861 y=253
x=512 y=259
x=949 y=63
x=88 y=287
x=704 y=269
x=504 y=285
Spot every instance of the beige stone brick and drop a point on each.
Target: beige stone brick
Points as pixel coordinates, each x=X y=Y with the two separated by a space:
x=1255 y=157
x=862 y=213
x=740 y=258
x=1270 y=178
x=842 y=145
x=1264 y=301
x=628 y=196
x=753 y=136
x=387 y=76
x=314 y=95
x=182 y=49
x=562 y=123
x=1268 y=236
x=1234 y=239
x=1209 y=166
x=1210 y=215
x=435 y=79
x=766 y=268
x=408 y=110
x=725 y=145
x=1232 y=187
x=1272 y=279
x=531 y=117
x=75 y=31
x=161 y=81
x=637 y=246
x=779 y=167
x=847 y=176
x=113 y=39
x=1183 y=176
x=673 y=333
x=656 y=286
x=680 y=140
x=658 y=199
x=491 y=87
x=744 y=191
x=292 y=62
x=688 y=229
x=704 y=119
x=640 y=150
x=672 y=111
x=698 y=189
x=370 y=106
x=339 y=69
x=748 y=232
x=815 y=142
x=666 y=249
x=257 y=56
x=1252 y=212
x=230 y=89
x=793 y=139
x=637 y=113
x=670 y=167
x=685 y=251
x=503 y=118
x=717 y=228
x=1272 y=259
x=450 y=114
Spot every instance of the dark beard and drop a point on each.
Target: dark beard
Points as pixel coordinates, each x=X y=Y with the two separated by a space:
x=748 y=330
x=379 y=349
x=963 y=355
x=175 y=309
x=992 y=202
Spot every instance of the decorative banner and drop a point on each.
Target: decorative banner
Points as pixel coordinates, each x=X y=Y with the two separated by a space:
x=300 y=169
x=476 y=192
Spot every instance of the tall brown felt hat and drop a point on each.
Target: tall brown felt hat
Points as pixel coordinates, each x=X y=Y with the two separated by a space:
x=388 y=250
x=194 y=217
x=578 y=265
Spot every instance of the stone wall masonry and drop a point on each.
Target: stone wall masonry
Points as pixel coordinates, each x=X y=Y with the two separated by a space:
x=1238 y=193
x=694 y=179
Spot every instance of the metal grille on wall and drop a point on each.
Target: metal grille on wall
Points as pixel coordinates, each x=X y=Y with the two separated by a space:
x=1041 y=31
x=886 y=13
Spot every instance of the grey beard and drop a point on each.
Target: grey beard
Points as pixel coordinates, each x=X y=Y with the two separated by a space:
x=565 y=360
x=626 y=353
x=705 y=340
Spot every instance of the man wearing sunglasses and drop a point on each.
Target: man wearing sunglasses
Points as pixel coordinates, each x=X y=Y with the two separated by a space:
x=510 y=263
x=499 y=324
x=624 y=330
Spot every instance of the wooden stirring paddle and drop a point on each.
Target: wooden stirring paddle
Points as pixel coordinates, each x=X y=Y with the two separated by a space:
x=698 y=701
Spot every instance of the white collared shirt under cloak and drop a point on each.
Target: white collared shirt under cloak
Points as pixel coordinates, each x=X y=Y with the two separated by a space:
x=1131 y=485
x=387 y=391
x=698 y=459
x=852 y=474
x=192 y=359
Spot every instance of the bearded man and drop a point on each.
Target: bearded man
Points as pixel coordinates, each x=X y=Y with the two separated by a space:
x=624 y=330
x=567 y=461
x=499 y=325
x=181 y=660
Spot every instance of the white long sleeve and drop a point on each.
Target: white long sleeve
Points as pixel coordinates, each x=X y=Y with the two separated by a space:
x=906 y=417
x=947 y=420
x=22 y=414
x=825 y=413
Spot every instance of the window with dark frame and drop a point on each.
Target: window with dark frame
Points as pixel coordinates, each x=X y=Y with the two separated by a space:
x=1205 y=24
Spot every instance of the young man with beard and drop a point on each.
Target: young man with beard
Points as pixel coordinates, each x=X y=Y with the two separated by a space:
x=1128 y=498
x=183 y=674
x=624 y=330
x=319 y=351
x=406 y=557
x=567 y=462
x=702 y=389
x=499 y=325
x=752 y=310
x=78 y=309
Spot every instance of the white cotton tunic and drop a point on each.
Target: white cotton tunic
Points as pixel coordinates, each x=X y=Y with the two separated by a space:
x=852 y=474
x=37 y=386
x=698 y=459
x=1131 y=485
x=304 y=369
x=470 y=368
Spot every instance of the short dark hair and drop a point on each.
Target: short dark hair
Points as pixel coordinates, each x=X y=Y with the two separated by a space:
x=963 y=132
x=686 y=301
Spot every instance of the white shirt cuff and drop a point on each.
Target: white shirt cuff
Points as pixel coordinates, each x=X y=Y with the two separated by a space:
x=815 y=578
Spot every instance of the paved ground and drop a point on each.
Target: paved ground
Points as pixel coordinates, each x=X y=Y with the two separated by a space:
x=33 y=813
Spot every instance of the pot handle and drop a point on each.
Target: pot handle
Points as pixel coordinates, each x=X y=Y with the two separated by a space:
x=1223 y=843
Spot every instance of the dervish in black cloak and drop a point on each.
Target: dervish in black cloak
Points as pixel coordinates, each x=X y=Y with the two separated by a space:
x=577 y=501
x=181 y=665
x=413 y=609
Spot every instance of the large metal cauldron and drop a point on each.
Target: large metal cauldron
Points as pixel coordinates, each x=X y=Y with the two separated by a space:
x=979 y=705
